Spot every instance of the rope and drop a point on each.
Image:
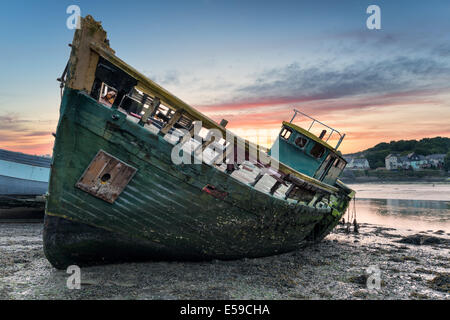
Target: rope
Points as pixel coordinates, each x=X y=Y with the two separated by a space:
x=348 y=219
x=355 y=224
x=351 y=217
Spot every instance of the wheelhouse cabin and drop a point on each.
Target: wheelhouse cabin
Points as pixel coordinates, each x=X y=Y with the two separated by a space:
x=305 y=152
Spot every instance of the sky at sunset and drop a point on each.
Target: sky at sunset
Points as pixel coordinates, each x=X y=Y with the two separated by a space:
x=250 y=62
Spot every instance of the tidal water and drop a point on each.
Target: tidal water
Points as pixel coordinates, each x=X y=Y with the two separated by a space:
x=414 y=206
x=420 y=207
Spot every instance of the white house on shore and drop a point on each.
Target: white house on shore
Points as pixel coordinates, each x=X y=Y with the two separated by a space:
x=358 y=164
x=436 y=160
x=413 y=161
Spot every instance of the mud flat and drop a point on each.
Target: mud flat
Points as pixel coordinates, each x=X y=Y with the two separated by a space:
x=412 y=265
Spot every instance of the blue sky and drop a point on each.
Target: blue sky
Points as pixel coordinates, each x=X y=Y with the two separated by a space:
x=247 y=61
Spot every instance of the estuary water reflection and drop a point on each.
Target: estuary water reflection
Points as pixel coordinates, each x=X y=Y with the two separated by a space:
x=377 y=206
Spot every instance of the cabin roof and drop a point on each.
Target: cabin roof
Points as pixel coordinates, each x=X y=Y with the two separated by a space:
x=309 y=135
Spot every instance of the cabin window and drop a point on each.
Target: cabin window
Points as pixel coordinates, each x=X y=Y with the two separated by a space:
x=339 y=163
x=107 y=95
x=328 y=160
x=301 y=142
x=317 y=151
x=336 y=163
x=285 y=133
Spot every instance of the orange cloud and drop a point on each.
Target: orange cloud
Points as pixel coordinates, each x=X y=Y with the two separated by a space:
x=366 y=121
x=27 y=136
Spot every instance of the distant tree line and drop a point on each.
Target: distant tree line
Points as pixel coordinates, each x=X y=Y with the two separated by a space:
x=426 y=146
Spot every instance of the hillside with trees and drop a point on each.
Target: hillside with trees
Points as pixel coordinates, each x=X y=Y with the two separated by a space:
x=426 y=146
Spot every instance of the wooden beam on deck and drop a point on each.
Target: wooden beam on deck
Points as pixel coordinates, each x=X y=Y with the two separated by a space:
x=175 y=117
x=149 y=111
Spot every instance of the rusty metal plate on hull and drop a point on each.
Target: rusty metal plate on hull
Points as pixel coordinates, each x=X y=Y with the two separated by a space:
x=106 y=177
x=212 y=190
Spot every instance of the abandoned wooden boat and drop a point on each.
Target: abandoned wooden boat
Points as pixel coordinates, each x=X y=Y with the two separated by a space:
x=119 y=192
x=23 y=183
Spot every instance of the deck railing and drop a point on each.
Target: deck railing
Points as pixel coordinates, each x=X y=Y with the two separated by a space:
x=341 y=136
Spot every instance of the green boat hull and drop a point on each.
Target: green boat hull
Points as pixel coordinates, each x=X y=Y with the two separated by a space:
x=163 y=212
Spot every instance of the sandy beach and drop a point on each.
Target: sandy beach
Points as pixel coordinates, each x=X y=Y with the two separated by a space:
x=412 y=266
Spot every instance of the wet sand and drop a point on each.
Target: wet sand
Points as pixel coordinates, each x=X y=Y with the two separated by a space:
x=334 y=269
